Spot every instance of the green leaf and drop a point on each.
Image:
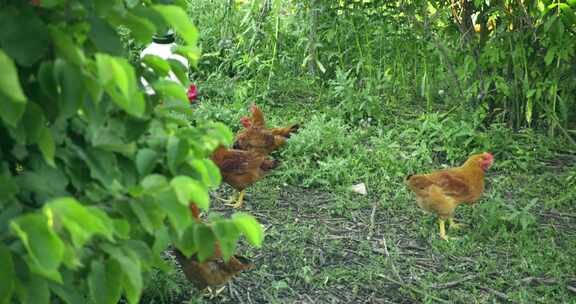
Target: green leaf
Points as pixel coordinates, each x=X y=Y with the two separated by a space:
x=108 y=222
x=170 y=89
x=8 y=187
x=179 y=20
x=33 y=290
x=104 y=281
x=142 y=252
x=141 y=28
x=8 y=277
x=550 y=55
x=111 y=71
x=250 y=227
x=71 y=259
x=105 y=37
x=9 y=82
x=159 y=65
x=121 y=228
x=47 y=145
x=227 y=234
x=33 y=121
x=50 y=3
x=178 y=214
x=132 y=3
x=11 y=114
x=80 y=221
x=94 y=89
x=220 y=132
x=155 y=183
x=161 y=242
x=131 y=273
x=146 y=160
x=24 y=36
x=192 y=53
x=66 y=48
x=45 y=249
x=119 y=80
x=188 y=189
x=110 y=139
x=103 y=165
x=208 y=171
x=47 y=80
x=186 y=242
x=43 y=180
x=67 y=292
x=71 y=86
x=180 y=70
x=176 y=152
x=150 y=215
x=205 y=240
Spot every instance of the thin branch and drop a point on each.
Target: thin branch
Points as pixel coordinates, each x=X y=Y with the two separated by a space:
x=456 y=282
x=413 y=289
x=372 y=218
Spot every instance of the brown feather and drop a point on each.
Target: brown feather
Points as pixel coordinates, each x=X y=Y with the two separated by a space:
x=213 y=271
x=240 y=168
x=258 y=138
x=442 y=191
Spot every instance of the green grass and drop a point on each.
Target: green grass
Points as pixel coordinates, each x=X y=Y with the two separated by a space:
x=325 y=244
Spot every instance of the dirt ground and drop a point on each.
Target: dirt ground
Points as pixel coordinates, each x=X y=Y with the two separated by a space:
x=323 y=247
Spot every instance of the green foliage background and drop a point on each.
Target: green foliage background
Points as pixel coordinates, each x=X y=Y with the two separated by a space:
x=510 y=61
x=95 y=176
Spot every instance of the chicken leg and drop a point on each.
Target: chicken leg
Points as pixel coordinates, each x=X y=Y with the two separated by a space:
x=454 y=225
x=442 y=226
x=237 y=202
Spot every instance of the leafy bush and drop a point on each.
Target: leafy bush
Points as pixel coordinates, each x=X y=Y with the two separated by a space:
x=95 y=176
x=321 y=153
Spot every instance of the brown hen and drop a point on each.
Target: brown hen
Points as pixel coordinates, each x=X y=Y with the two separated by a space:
x=241 y=168
x=214 y=271
x=256 y=137
x=442 y=191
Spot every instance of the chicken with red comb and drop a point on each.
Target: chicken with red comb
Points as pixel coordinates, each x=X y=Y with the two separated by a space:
x=442 y=191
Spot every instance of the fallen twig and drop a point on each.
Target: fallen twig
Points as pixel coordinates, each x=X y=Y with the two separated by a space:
x=455 y=283
x=530 y=280
x=498 y=294
x=234 y=293
x=372 y=216
x=413 y=288
x=562 y=214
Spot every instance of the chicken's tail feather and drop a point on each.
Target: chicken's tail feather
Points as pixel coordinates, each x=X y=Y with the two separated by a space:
x=240 y=263
x=285 y=132
x=257 y=117
x=269 y=164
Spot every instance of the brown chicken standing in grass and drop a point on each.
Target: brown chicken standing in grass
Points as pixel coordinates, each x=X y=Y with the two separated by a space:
x=442 y=191
x=241 y=169
x=214 y=271
x=256 y=137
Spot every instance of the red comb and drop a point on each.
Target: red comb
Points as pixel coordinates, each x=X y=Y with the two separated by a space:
x=245 y=121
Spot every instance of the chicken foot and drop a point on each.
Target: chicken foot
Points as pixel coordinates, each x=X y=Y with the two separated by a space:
x=454 y=225
x=235 y=203
x=212 y=293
